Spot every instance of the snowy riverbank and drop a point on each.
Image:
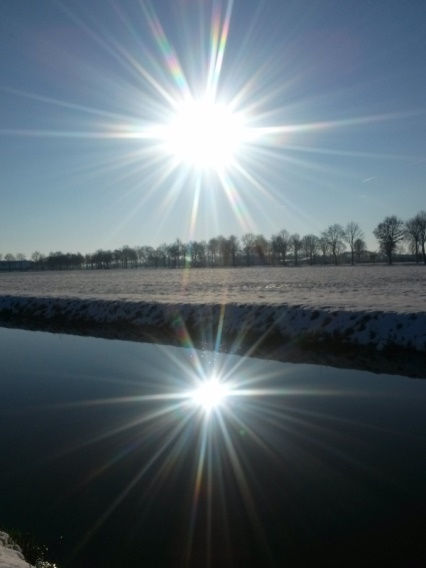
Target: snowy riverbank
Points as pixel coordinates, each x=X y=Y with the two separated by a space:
x=10 y=554
x=346 y=316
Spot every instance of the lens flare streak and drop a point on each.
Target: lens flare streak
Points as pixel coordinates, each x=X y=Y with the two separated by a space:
x=205 y=131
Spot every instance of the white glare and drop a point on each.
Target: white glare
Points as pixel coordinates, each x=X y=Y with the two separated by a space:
x=204 y=134
x=210 y=394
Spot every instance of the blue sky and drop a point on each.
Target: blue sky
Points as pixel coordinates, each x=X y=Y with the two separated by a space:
x=348 y=78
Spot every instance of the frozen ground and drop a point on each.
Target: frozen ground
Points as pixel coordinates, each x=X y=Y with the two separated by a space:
x=323 y=309
x=396 y=288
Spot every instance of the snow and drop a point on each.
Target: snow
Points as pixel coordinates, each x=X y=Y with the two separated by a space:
x=396 y=288
x=364 y=305
x=10 y=553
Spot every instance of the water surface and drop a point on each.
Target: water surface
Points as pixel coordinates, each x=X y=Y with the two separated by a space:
x=103 y=459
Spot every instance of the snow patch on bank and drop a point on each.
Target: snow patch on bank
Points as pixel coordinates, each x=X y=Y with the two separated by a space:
x=11 y=554
x=375 y=328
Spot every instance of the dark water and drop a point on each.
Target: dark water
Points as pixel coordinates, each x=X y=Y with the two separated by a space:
x=318 y=466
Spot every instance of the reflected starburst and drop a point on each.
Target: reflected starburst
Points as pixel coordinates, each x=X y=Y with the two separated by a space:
x=206 y=413
x=210 y=395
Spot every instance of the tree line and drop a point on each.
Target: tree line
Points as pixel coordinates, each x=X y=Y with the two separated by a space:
x=335 y=245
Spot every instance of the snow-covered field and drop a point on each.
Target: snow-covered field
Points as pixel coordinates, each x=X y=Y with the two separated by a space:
x=395 y=288
x=375 y=306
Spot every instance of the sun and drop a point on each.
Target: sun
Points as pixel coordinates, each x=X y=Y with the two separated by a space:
x=205 y=134
x=210 y=394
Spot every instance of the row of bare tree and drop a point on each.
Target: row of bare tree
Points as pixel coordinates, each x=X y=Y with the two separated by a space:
x=335 y=245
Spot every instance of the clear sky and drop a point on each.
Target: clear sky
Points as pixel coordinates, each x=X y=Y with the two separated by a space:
x=330 y=99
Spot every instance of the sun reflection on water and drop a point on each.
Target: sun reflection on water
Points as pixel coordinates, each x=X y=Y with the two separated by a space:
x=211 y=394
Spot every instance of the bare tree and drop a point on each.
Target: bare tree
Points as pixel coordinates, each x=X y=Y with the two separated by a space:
x=201 y=253
x=9 y=257
x=248 y=241
x=105 y=258
x=213 y=247
x=129 y=257
x=233 y=247
x=413 y=235
x=117 y=257
x=334 y=235
x=310 y=246
x=359 y=248
x=261 y=248
x=174 y=251
x=352 y=233
x=295 y=245
x=251 y=249
x=280 y=244
x=20 y=257
x=162 y=254
x=389 y=233
x=142 y=255
x=420 y=222
x=148 y=256
x=221 y=251
x=324 y=248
